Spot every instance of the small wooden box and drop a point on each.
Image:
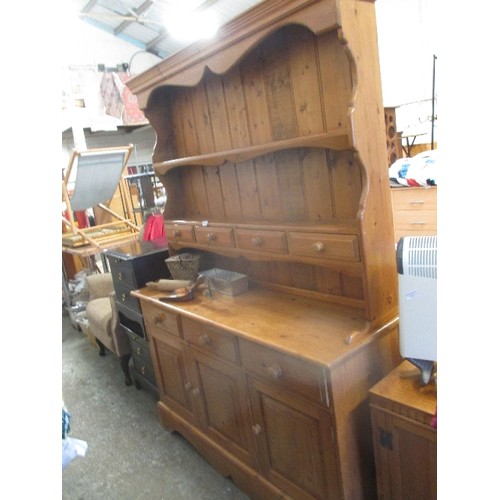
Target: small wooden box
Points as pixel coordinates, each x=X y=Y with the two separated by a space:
x=404 y=439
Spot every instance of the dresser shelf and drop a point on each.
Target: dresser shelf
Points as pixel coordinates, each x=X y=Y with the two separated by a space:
x=337 y=140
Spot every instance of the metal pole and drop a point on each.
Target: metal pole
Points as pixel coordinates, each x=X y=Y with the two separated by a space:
x=433 y=97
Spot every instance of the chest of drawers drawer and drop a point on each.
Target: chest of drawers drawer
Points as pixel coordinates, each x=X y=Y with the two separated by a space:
x=211 y=340
x=139 y=348
x=417 y=198
x=293 y=374
x=123 y=297
x=324 y=245
x=420 y=220
x=123 y=272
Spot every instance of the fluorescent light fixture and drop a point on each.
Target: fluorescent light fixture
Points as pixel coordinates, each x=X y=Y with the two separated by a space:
x=188 y=26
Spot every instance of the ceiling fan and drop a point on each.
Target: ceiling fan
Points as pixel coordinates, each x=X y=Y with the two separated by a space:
x=117 y=9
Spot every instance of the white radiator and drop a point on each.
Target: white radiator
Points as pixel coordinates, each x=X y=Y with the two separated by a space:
x=417 y=280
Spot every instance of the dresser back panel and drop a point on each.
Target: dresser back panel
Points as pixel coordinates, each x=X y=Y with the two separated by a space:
x=276 y=92
x=301 y=185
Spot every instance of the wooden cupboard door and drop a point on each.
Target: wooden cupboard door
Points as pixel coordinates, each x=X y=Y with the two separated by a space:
x=172 y=377
x=295 y=443
x=405 y=456
x=222 y=406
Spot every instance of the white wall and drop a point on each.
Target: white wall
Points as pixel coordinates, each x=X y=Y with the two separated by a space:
x=407 y=46
x=86 y=47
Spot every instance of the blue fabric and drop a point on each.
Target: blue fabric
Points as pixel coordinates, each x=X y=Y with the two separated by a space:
x=66 y=417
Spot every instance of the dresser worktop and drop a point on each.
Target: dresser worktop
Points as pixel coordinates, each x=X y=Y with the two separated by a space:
x=308 y=328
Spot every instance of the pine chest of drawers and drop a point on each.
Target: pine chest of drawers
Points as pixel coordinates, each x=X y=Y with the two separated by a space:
x=414 y=211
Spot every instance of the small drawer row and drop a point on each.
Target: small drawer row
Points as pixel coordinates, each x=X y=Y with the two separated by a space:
x=141 y=357
x=319 y=245
x=290 y=373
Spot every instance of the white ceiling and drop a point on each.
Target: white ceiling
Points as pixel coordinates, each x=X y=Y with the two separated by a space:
x=144 y=22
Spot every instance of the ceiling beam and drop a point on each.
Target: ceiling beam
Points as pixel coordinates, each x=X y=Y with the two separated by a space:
x=140 y=10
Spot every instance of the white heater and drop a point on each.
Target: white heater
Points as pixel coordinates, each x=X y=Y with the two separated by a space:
x=417 y=280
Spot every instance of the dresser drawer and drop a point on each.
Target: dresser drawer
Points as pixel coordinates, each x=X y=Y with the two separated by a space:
x=296 y=375
x=215 y=236
x=324 y=245
x=179 y=232
x=265 y=241
x=211 y=340
x=418 y=198
x=163 y=321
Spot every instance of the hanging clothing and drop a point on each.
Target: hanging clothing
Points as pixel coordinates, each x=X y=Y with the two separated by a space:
x=154 y=228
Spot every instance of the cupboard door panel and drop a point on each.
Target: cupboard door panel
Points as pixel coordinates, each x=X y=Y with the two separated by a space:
x=174 y=385
x=406 y=457
x=287 y=428
x=223 y=408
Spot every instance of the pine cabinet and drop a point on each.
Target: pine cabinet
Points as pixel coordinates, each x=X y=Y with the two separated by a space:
x=271 y=148
x=283 y=417
x=405 y=441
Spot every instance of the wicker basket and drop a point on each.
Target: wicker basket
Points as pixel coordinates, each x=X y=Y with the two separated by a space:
x=184 y=266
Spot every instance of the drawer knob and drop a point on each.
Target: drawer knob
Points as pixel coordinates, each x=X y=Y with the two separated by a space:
x=138 y=350
x=196 y=392
x=275 y=371
x=188 y=386
x=204 y=340
x=318 y=247
x=211 y=237
x=257 y=242
x=120 y=276
x=143 y=370
x=158 y=319
x=257 y=429
x=123 y=297
x=177 y=233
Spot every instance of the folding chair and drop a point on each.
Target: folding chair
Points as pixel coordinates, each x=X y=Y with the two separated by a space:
x=99 y=173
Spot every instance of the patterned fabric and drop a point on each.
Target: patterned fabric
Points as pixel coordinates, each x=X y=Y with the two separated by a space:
x=420 y=170
x=118 y=101
x=111 y=91
x=132 y=114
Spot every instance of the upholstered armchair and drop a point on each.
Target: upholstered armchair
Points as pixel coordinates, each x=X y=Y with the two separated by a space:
x=103 y=320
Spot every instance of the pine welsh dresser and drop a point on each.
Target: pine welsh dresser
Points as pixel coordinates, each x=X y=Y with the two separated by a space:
x=271 y=147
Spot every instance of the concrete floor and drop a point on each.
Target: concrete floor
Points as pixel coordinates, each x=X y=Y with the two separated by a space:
x=130 y=455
